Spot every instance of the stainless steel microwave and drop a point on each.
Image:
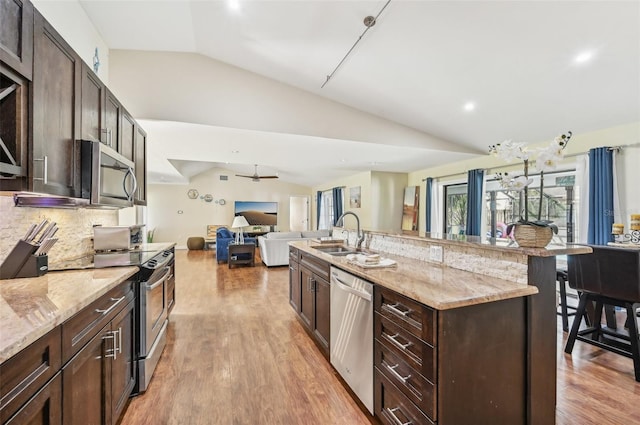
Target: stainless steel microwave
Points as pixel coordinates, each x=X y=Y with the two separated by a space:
x=107 y=178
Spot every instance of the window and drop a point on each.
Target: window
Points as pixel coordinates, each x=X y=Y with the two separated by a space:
x=326 y=219
x=455 y=207
x=504 y=207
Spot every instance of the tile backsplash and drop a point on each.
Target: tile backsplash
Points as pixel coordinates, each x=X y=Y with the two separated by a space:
x=75 y=232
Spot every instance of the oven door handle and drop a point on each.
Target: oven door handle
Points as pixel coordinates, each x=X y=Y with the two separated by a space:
x=159 y=282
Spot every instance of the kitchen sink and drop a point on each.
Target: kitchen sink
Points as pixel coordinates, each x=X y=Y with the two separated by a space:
x=338 y=250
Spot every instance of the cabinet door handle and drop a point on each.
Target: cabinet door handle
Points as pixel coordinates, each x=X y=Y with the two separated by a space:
x=45 y=169
x=395 y=342
x=393 y=371
x=111 y=353
x=108 y=310
x=120 y=342
x=394 y=308
x=392 y=413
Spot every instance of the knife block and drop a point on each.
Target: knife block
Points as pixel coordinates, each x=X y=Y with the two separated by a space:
x=22 y=263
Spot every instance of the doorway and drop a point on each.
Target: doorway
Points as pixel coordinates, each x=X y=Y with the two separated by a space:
x=298 y=213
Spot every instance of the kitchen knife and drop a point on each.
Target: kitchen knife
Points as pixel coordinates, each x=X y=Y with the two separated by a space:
x=47 y=232
x=50 y=245
x=38 y=228
x=31 y=229
x=45 y=247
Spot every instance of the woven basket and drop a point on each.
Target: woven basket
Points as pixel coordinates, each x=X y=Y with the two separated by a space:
x=530 y=236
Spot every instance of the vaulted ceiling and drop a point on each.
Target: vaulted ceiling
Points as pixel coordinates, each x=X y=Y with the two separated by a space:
x=470 y=73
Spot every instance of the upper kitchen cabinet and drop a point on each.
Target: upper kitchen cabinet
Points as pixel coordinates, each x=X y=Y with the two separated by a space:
x=125 y=146
x=57 y=72
x=140 y=161
x=93 y=107
x=16 y=36
x=113 y=121
x=14 y=129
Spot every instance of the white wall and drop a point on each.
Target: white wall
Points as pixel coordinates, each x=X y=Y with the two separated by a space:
x=381 y=199
x=387 y=193
x=73 y=24
x=175 y=217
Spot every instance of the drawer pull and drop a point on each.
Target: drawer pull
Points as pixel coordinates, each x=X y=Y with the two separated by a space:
x=395 y=342
x=108 y=310
x=393 y=371
x=392 y=413
x=394 y=309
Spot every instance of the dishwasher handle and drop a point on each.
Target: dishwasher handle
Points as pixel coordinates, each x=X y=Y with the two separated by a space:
x=343 y=286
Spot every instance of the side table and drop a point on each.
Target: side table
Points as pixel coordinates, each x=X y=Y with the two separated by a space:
x=243 y=253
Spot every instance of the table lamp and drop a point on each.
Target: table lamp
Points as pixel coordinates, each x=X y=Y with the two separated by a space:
x=238 y=223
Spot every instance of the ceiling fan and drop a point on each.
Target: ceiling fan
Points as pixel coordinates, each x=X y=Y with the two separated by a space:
x=256 y=177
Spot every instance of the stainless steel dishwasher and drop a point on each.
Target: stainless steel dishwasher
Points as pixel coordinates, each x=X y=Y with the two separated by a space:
x=351 y=345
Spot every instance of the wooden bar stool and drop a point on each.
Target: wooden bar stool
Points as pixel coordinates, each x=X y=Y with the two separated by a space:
x=561 y=277
x=607 y=277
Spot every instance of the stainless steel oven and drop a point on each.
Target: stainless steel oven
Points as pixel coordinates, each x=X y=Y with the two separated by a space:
x=153 y=301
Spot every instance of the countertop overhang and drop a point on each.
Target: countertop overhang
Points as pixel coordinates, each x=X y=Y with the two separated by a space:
x=435 y=285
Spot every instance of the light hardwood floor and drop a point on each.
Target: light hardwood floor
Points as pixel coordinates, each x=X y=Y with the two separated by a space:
x=236 y=354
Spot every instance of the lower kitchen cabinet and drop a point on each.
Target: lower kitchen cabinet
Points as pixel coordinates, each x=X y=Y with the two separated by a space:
x=100 y=378
x=294 y=280
x=123 y=365
x=44 y=408
x=310 y=296
x=463 y=365
x=82 y=372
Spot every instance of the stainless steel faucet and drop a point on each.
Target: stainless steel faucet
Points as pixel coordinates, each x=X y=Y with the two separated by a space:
x=340 y=221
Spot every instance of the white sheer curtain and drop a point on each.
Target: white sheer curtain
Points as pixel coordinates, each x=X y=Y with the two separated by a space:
x=485 y=210
x=326 y=211
x=437 y=223
x=582 y=191
x=619 y=206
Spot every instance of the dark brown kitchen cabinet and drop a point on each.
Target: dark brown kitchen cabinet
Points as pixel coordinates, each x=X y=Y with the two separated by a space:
x=140 y=161
x=113 y=121
x=16 y=36
x=457 y=366
x=315 y=299
x=93 y=107
x=123 y=367
x=57 y=75
x=45 y=408
x=26 y=372
x=98 y=380
x=294 y=280
x=14 y=129
x=85 y=383
x=127 y=140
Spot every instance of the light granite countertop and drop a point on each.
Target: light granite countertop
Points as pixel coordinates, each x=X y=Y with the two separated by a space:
x=31 y=307
x=435 y=285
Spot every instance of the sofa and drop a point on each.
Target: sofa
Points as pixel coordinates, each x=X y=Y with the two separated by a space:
x=224 y=237
x=274 y=246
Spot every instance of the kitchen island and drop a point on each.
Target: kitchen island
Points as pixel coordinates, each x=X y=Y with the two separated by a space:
x=469 y=282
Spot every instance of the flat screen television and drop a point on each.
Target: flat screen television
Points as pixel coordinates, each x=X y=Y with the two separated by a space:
x=258 y=213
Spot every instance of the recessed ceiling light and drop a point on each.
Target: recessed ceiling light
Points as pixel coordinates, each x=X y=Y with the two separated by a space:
x=233 y=4
x=469 y=106
x=583 y=57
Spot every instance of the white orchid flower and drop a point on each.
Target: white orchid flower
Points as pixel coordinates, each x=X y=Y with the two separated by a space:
x=519 y=183
x=510 y=151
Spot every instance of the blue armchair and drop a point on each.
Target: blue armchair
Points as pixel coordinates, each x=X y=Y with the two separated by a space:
x=223 y=238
